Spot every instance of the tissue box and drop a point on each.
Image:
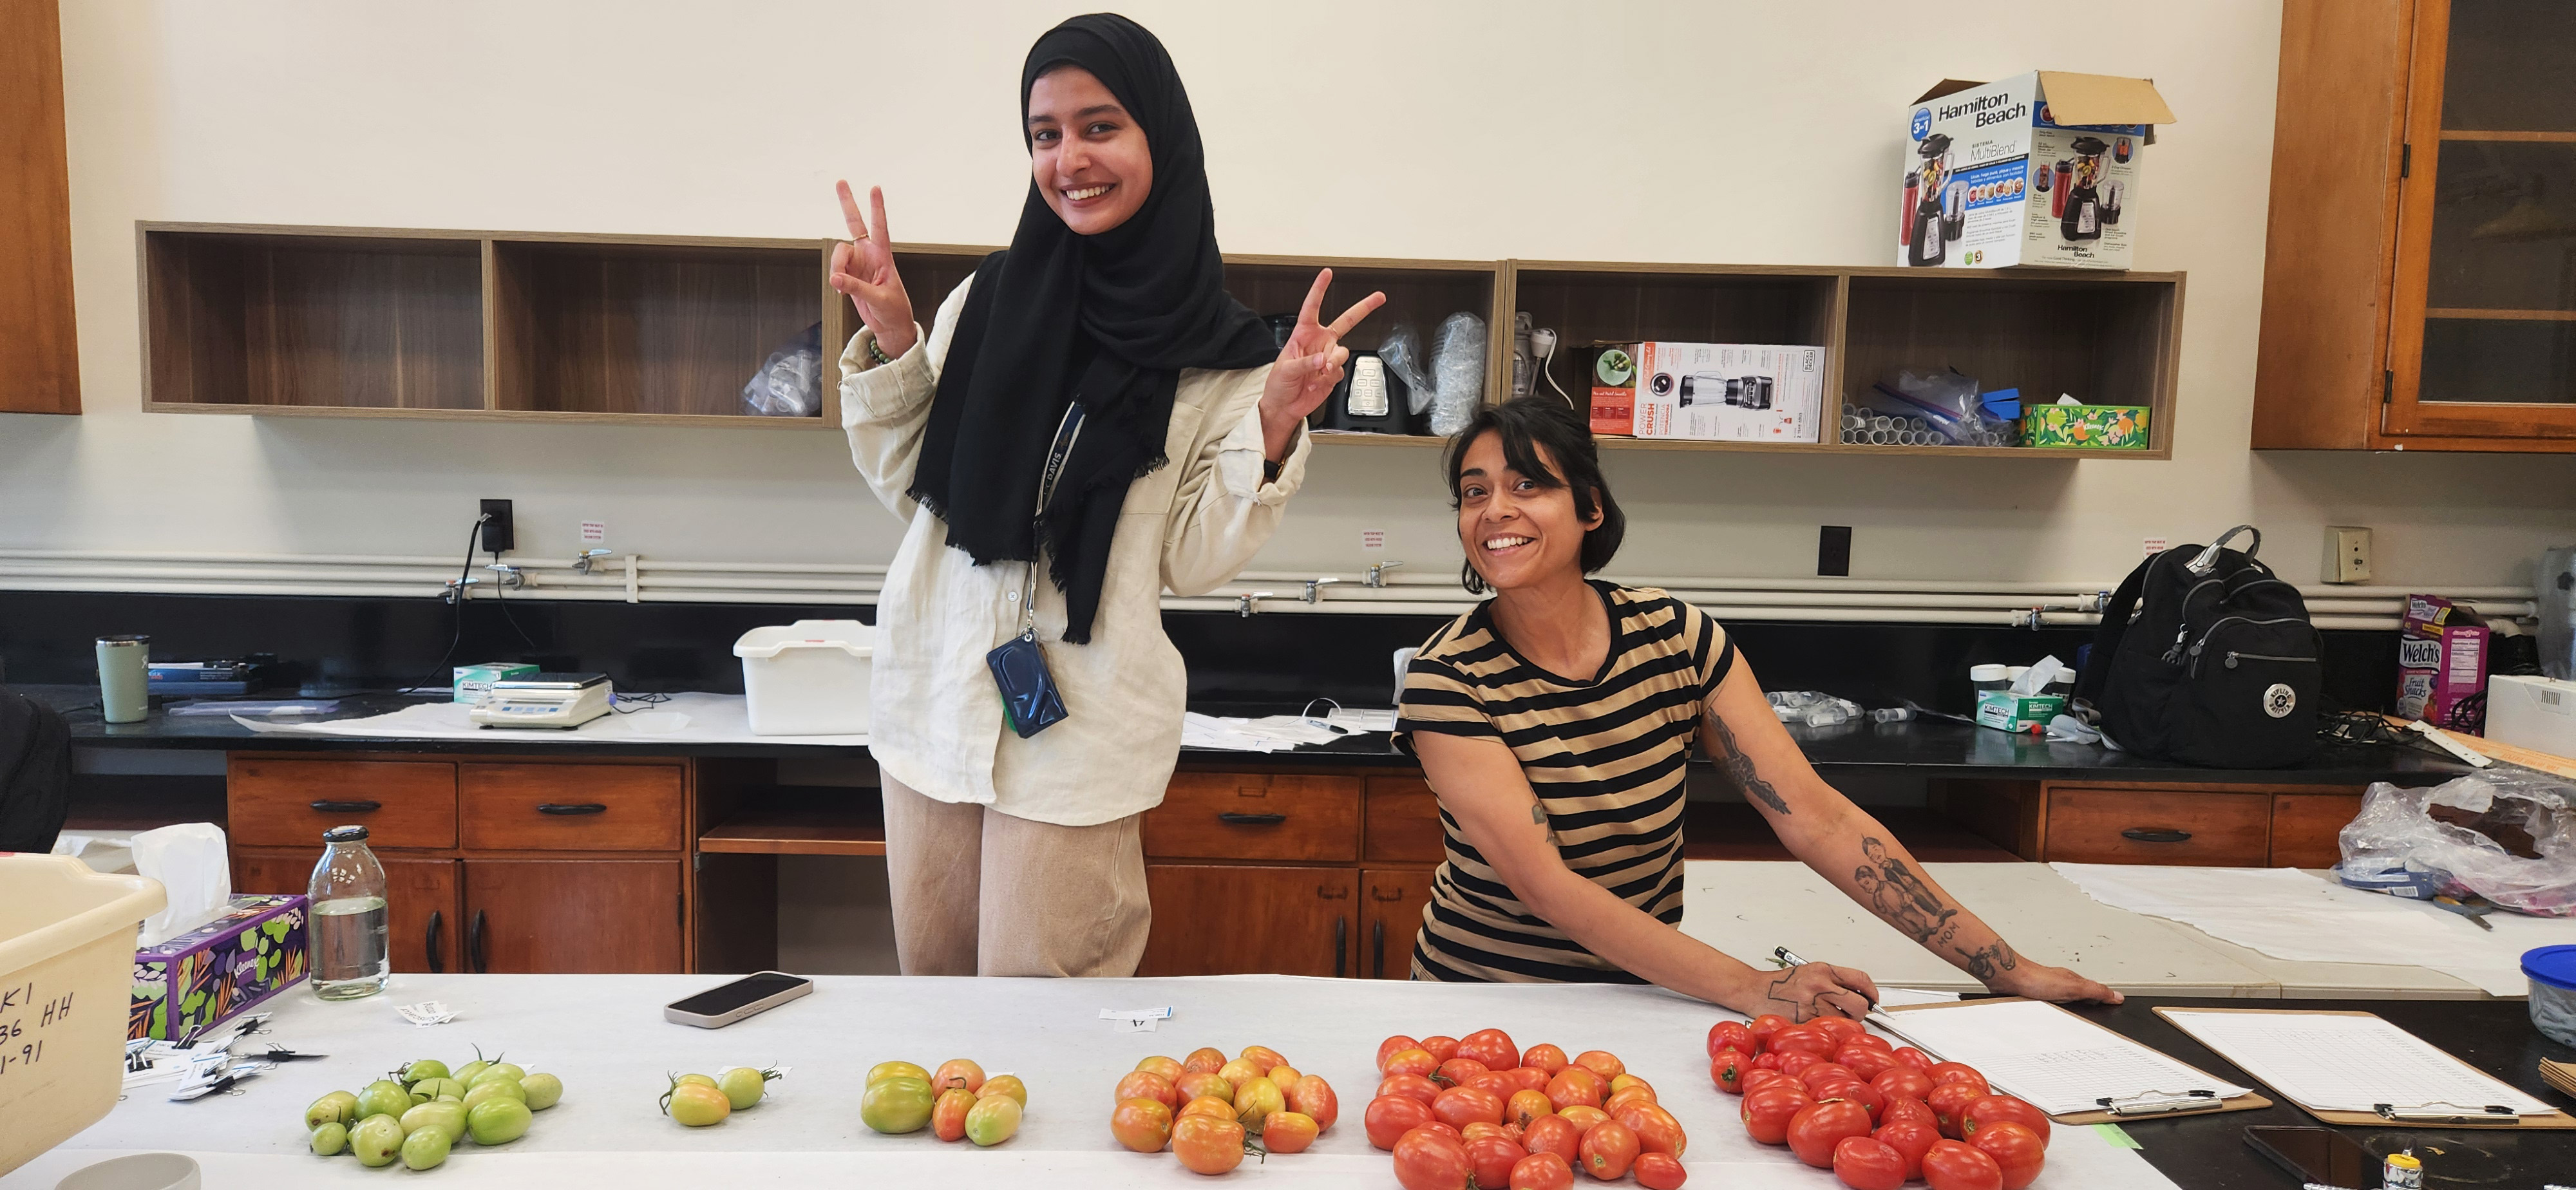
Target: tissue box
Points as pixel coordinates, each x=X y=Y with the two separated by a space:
x=475 y=681
x=191 y=983
x=2101 y=427
x=2004 y=710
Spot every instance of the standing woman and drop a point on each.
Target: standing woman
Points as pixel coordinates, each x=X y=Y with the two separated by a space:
x=1091 y=401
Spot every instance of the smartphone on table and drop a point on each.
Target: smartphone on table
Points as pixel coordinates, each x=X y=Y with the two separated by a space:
x=750 y=995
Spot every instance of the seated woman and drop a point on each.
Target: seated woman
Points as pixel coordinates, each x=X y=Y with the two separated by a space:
x=1554 y=721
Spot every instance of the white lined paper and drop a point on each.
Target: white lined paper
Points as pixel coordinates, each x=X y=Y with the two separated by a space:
x=2060 y=1062
x=2332 y=1062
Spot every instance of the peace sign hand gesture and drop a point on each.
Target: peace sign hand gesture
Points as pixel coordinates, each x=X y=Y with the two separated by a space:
x=863 y=267
x=1309 y=366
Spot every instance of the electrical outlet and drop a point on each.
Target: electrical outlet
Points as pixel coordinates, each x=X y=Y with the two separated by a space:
x=2347 y=554
x=1833 y=551
x=499 y=535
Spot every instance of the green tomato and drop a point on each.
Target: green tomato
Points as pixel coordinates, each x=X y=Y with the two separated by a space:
x=330 y=1138
x=487 y=1092
x=338 y=1107
x=497 y=1122
x=496 y=1072
x=383 y=1097
x=897 y=1105
x=443 y=1114
x=376 y=1140
x=542 y=1090
x=426 y=1148
x=886 y=1070
x=465 y=1073
x=698 y=1105
x=744 y=1086
x=687 y=1080
x=439 y=1088
x=424 y=1068
x=993 y=1119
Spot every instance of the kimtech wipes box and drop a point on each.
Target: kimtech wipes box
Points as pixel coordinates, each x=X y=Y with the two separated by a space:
x=2038 y=169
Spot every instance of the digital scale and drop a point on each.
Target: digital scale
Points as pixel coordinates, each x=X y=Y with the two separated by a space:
x=563 y=701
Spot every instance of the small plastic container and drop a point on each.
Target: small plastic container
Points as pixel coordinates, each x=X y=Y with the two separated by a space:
x=809 y=677
x=1988 y=677
x=2552 y=970
x=67 y=948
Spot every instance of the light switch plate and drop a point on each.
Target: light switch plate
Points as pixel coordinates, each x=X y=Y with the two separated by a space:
x=2347 y=554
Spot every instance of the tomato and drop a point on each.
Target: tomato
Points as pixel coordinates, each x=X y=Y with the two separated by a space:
x=1574 y=1085
x=1601 y=1062
x=948 y=1113
x=1493 y=1158
x=1866 y=1164
x=1461 y=1106
x=1442 y=1127
x=1820 y=1073
x=1730 y=1035
x=1764 y=1027
x=1955 y=1072
x=1997 y=1109
x=1143 y=1125
x=1205 y=1059
x=2018 y=1151
x=1803 y=1039
x=1585 y=1117
x=1872 y=1041
x=1841 y=1028
x=1795 y=1064
x=1659 y=1171
x=1413 y=1061
x=1005 y=1084
x=1903 y=1081
x=1624 y=1098
x=1262 y=1056
x=894 y=1106
x=1911 y=1139
x=1528 y=1078
x=1766 y=1112
x=1238 y=1072
x=1950 y=1165
x=1818 y=1127
x=1313 y=1098
x=1623 y=1081
x=1861 y=1093
x=1907 y=1107
x=1608 y=1149
x=1203 y=1084
x=1288 y=1132
x=1502 y=1085
x=1915 y=1058
x=1865 y=1061
x=1541 y=1171
x=1440 y=1048
x=1766 y=1060
x=1459 y=1070
x=1391 y=1046
x=1758 y=1076
x=1145 y=1084
x=1285 y=1075
x=955 y=1072
x=993 y=1119
x=1657 y=1131
x=1219 y=1108
x=1426 y=1160
x=1411 y=1086
x=1545 y=1057
x=1256 y=1100
x=1207 y=1144
x=1950 y=1101
x=1389 y=1117
x=1493 y=1047
x=1553 y=1134
x=1525 y=1106
x=1158 y=1064
x=1478 y=1128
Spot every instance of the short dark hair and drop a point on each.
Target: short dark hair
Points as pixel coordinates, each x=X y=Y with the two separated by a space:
x=1524 y=424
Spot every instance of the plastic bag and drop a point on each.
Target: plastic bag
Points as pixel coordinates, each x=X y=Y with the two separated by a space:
x=790 y=382
x=1402 y=353
x=1813 y=708
x=1457 y=373
x=1942 y=398
x=2507 y=836
x=2555 y=589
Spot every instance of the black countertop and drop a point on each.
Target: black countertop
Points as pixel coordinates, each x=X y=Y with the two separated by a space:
x=1926 y=747
x=2208 y=1152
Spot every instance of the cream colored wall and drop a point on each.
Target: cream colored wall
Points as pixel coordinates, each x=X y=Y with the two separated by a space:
x=1741 y=132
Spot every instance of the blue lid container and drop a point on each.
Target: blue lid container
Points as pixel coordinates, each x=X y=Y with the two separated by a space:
x=2552 y=970
x=2552 y=965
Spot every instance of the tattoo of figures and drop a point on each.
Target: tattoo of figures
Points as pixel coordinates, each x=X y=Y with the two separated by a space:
x=1991 y=961
x=1739 y=771
x=1901 y=898
x=1538 y=817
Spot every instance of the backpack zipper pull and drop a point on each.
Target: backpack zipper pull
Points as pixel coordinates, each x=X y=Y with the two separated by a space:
x=2231 y=658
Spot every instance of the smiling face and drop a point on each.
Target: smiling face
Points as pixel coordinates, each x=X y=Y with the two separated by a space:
x=1088 y=155
x=1518 y=530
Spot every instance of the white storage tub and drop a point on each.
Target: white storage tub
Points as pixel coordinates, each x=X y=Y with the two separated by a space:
x=808 y=678
x=66 y=966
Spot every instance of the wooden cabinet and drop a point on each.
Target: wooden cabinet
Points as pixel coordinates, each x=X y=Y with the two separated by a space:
x=2307 y=828
x=37 y=347
x=1403 y=821
x=2420 y=274
x=571 y=807
x=2092 y=822
x=1256 y=816
x=573 y=915
x=289 y=803
x=423 y=914
x=1231 y=919
x=1391 y=915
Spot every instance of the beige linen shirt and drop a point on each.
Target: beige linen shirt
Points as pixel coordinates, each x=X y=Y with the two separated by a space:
x=1191 y=525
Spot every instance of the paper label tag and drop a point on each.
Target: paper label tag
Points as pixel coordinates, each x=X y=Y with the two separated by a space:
x=1136 y=1020
x=594 y=532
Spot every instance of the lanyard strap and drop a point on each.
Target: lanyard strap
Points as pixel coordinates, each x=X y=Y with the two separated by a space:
x=1066 y=433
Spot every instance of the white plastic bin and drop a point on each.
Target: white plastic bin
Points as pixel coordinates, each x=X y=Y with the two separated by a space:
x=809 y=677
x=66 y=964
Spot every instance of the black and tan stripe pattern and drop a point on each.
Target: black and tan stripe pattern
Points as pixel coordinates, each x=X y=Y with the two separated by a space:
x=1605 y=757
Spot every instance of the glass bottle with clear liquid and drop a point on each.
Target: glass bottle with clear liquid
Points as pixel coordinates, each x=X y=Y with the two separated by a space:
x=350 y=951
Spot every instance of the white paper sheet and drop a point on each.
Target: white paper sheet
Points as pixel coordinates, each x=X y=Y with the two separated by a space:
x=2059 y=1062
x=2346 y=1063
x=687 y=718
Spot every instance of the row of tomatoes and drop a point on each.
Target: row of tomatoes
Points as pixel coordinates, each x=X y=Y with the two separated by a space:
x=1478 y=1111
x=1876 y=1114
x=1205 y=1107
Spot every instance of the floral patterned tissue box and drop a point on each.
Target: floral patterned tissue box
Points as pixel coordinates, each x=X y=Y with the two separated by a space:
x=2101 y=427
x=193 y=982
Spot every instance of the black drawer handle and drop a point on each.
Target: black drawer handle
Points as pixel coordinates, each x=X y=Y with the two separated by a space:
x=1232 y=818
x=2142 y=834
x=474 y=956
x=348 y=807
x=436 y=967
x=1341 y=940
x=573 y=808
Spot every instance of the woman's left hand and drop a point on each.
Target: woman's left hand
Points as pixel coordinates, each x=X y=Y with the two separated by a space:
x=2036 y=981
x=1308 y=368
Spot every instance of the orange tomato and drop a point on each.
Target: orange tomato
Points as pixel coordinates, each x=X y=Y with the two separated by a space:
x=1313 y=1098
x=1288 y=1132
x=1262 y=1056
x=1142 y=1125
x=1545 y=1057
x=1413 y=1061
x=1203 y=1059
x=1440 y=1048
x=1204 y=1106
x=1584 y=1118
x=1601 y=1062
x=1657 y=1131
x=1525 y=1106
x=948 y=1113
x=1411 y=1086
x=1207 y=1144
x=1393 y=1045
x=1608 y=1150
x=1574 y=1085
x=1204 y=1084
x=1553 y=1134
x=1158 y=1064
x=1145 y=1084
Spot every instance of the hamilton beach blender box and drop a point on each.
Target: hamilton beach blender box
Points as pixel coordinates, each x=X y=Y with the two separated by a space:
x=2040 y=169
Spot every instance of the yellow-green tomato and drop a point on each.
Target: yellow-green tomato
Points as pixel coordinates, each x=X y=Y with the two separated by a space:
x=330 y=1138
x=445 y=1115
x=438 y=1088
x=496 y=1071
x=543 y=1091
x=1256 y=1099
x=376 y=1141
x=465 y=1073
x=426 y=1148
x=699 y=1080
x=697 y=1105
x=1238 y=1072
x=1005 y=1084
x=886 y=1070
x=338 y=1107
x=499 y=1088
x=897 y=1105
x=383 y=1097
x=743 y=1086
x=497 y=1122
x=993 y=1119
x=424 y=1068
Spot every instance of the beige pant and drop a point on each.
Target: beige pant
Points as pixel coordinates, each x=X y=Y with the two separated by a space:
x=978 y=892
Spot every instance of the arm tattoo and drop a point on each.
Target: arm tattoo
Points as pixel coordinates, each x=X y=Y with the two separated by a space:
x=1800 y=1009
x=1985 y=964
x=1538 y=817
x=1738 y=769
x=1900 y=897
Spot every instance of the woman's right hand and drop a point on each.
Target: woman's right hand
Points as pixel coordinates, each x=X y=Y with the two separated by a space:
x=863 y=268
x=1811 y=990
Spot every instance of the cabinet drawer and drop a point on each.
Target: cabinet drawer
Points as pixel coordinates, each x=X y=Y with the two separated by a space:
x=1212 y=919
x=1256 y=816
x=2307 y=828
x=2158 y=826
x=289 y=803
x=1404 y=821
x=571 y=807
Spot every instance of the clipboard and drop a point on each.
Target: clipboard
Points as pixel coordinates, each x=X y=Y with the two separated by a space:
x=2432 y=1115
x=2130 y=1110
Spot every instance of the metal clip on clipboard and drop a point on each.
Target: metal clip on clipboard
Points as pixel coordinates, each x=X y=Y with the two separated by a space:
x=2446 y=1113
x=2161 y=1103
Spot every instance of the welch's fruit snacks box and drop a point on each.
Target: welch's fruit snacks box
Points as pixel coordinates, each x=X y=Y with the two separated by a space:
x=2037 y=169
x=2442 y=664
x=195 y=981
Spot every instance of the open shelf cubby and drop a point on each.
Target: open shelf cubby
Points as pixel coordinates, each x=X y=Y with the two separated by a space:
x=658 y=329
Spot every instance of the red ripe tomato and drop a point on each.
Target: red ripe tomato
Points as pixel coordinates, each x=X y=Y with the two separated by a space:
x=1287 y=1132
x=1865 y=1061
x=1756 y=1077
x=1766 y=1112
x=1821 y=1125
x=1481 y=1128
x=1441 y=1048
x=1208 y=1144
x=1907 y=1107
x=1866 y=1164
x=1426 y=1160
x=1766 y=1060
x=1950 y=1101
x=1545 y=1057
x=1501 y=1085
x=1203 y=1060
x=1443 y=1129
x=1730 y=1035
x=1144 y=1125
x=1601 y=1062
x=1413 y=1061
x=1872 y=1041
x=1804 y=1039
x=1915 y=1058
x=1841 y=1028
x=2017 y=1150
x=1493 y=1047
x=1903 y=1081
x=1951 y=1165
x=1575 y=1085
x=1863 y=1094
x=1525 y=1106
x=1145 y=1084
x=1541 y=1171
x=1608 y=1149
x=1820 y=1073
x=1764 y=1026
x=1458 y=1070
x=1411 y=1086
x=1796 y=1063
x=1527 y=1078
x=1583 y=1118
x=1997 y=1109
x=1955 y=1072
x=1554 y=1135
x=1492 y=1158
x=1461 y=1106
x=1314 y=1099
x=1727 y=1068
x=1389 y=1117
x=1911 y=1139
x=1659 y=1171
x=1657 y=1131
x=1391 y=1046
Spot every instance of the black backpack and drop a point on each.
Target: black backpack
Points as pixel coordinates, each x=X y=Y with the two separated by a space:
x=35 y=774
x=2205 y=657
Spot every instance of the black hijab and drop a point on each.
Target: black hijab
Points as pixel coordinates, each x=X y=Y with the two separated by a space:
x=1109 y=320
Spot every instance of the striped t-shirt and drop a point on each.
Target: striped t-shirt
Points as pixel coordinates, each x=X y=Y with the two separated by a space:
x=1605 y=756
